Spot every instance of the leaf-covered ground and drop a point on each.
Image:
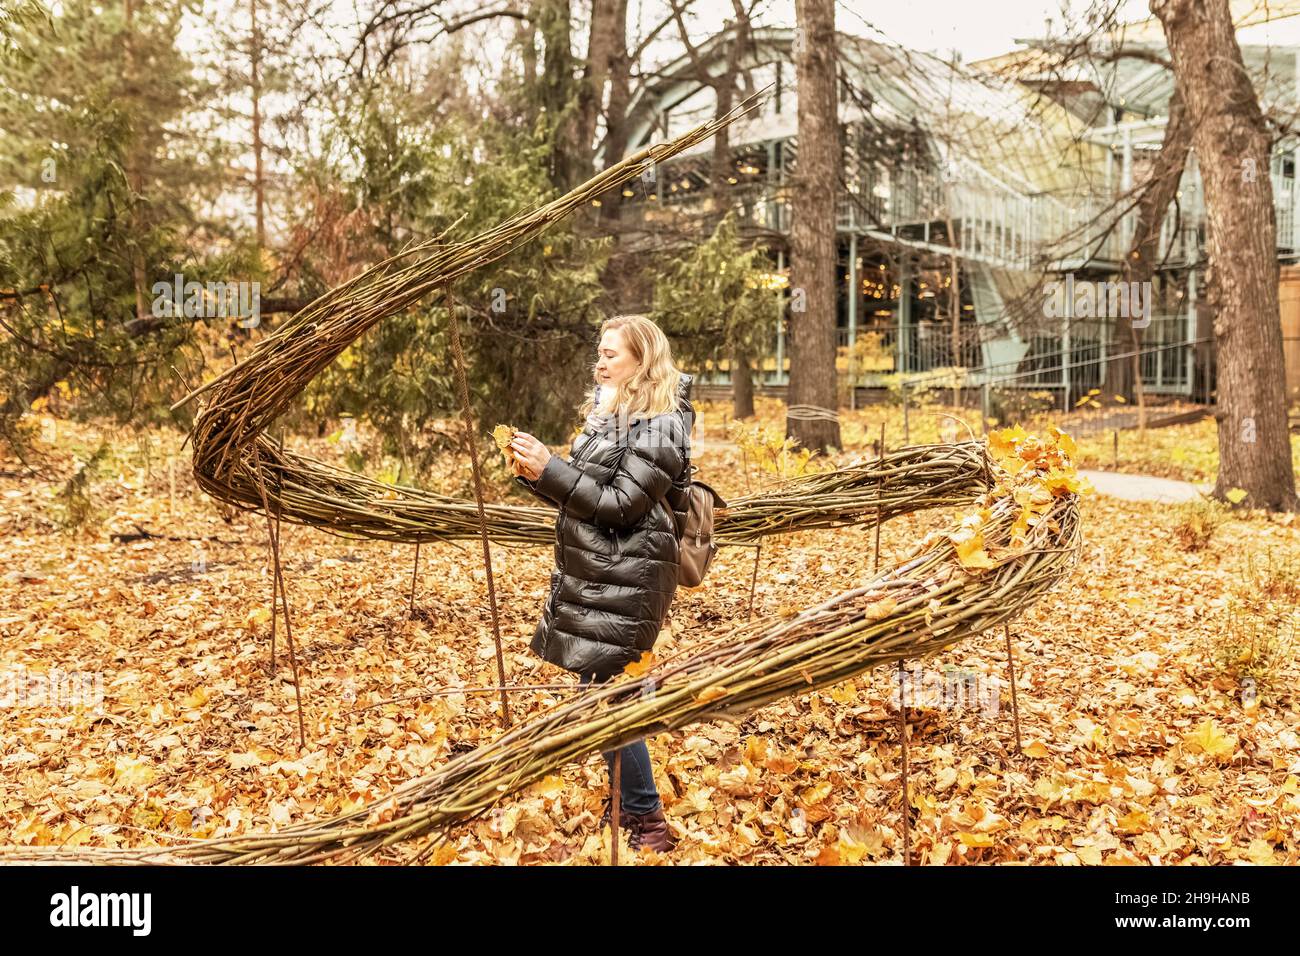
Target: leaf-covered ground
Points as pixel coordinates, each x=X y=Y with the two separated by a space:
x=1155 y=731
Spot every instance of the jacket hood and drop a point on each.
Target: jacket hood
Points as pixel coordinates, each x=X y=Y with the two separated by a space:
x=684 y=384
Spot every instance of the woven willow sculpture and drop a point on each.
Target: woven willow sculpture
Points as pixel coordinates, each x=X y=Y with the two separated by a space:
x=1019 y=541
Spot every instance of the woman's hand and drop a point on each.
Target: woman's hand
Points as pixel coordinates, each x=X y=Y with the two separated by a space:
x=531 y=455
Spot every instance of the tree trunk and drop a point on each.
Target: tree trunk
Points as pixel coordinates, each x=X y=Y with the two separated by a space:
x=526 y=35
x=812 y=234
x=620 y=94
x=607 y=35
x=1123 y=375
x=255 y=91
x=133 y=174
x=721 y=169
x=1232 y=145
x=556 y=90
x=742 y=386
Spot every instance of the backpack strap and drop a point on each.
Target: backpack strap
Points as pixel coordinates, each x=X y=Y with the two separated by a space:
x=718 y=502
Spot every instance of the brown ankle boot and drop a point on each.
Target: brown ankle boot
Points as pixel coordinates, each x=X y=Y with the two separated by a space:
x=649 y=830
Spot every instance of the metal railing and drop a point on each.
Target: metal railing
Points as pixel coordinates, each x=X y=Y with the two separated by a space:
x=884 y=348
x=1168 y=368
x=1171 y=363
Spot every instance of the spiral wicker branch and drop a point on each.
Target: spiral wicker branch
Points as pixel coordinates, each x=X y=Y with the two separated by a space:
x=913 y=609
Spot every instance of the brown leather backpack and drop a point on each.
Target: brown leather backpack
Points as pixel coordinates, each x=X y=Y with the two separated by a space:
x=695 y=538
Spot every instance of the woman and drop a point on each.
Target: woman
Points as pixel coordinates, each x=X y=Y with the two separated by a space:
x=622 y=496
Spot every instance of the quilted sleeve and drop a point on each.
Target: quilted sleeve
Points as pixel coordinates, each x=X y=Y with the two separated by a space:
x=532 y=487
x=654 y=457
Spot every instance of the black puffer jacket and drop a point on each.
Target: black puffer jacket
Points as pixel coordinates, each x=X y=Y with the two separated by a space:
x=621 y=500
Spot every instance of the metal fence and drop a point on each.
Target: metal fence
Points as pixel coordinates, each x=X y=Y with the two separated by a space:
x=1067 y=362
x=1075 y=354
x=885 y=348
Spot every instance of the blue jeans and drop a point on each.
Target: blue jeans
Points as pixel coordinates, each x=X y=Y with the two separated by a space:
x=637 y=788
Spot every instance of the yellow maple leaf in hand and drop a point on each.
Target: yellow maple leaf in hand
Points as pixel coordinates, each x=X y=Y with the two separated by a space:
x=502 y=435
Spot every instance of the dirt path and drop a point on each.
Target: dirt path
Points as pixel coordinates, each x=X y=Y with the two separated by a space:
x=1144 y=487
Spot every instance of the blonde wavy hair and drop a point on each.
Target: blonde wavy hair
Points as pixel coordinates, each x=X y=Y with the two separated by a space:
x=652 y=389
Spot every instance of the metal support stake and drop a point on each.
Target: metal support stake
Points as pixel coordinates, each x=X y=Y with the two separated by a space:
x=1011 y=674
x=876 y=565
x=615 y=806
x=472 y=448
x=415 y=570
x=907 y=426
x=902 y=736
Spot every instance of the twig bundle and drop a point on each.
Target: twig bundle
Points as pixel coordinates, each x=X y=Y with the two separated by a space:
x=346 y=503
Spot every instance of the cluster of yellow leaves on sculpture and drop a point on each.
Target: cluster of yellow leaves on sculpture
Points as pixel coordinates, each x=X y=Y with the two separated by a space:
x=1034 y=471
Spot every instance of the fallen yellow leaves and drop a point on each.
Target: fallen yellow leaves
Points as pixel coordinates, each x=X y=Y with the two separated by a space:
x=133 y=772
x=1090 y=855
x=257 y=617
x=844 y=692
x=1211 y=741
x=696 y=800
x=638 y=667
x=549 y=786
x=815 y=794
x=1059 y=481
x=1136 y=821
x=255 y=757
x=1029 y=459
x=711 y=693
x=845 y=851
x=1150 y=778
x=1260 y=852
x=444 y=854
x=737 y=781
